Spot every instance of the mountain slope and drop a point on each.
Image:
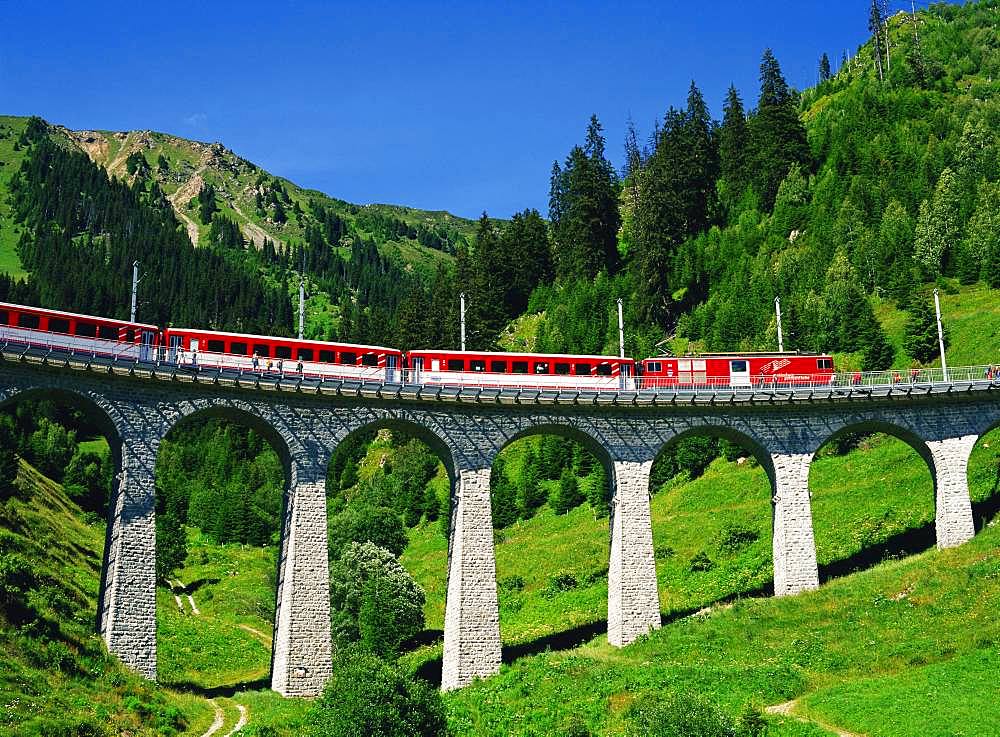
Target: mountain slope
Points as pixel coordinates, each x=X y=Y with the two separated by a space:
x=56 y=676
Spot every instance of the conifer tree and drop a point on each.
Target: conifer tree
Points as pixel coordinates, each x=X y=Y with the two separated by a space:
x=734 y=145
x=568 y=495
x=920 y=338
x=778 y=136
x=583 y=208
x=824 y=68
x=879 y=353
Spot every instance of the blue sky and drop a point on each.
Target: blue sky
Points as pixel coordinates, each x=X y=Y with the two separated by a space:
x=456 y=106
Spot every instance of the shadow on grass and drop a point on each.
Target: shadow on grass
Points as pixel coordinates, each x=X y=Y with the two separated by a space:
x=908 y=542
x=227 y=691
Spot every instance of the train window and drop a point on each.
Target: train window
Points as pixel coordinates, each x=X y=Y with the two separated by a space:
x=824 y=363
x=25 y=320
x=327 y=357
x=603 y=369
x=107 y=332
x=238 y=349
x=519 y=367
x=737 y=366
x=216 y=346
x=4 y=318
x=562 y=369
x=498 y=367
x=654 y=367
x=282 y=351
x=262 y=350
x=541 y=367
x=348 y=358
x=582 y=369
x=456 y=364
x=86 y=330
x=58 y=325
x=129 y=334
x=369 y=359
x=304 y=354
x=477 y=365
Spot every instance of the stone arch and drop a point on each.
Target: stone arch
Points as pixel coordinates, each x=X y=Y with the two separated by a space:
x=110 y=423
x=984 y=481
x=280 y=438
x=441 y=447
x=743 y=438
x=564 y=430
x=897 y=430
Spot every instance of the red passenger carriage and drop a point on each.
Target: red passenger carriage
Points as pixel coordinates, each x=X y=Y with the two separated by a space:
x=524 y=370
x=187 y=346
x=35 y=326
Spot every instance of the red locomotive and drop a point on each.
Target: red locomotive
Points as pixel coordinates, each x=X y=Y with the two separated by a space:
x=523 y=370
x=194 y=349
x=738 y=370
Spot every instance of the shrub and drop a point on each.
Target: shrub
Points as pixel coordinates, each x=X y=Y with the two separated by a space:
x=361 y=523
x=560 y=582
x=511 y=583
x=732 y=538
x=367 y=696
x=373 y=599
x=677 y=715
x=701 y=562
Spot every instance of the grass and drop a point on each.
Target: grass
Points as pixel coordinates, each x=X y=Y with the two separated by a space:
x=10 y=129
x=879 y=623
x=954 y=697
x=233 y=587
x=56 y=676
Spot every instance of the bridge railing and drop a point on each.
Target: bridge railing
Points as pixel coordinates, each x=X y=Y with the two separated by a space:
x=290 y=368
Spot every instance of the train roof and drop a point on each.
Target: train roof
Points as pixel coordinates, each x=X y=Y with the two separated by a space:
x=61 y=313
x=251 y=336
x=425 y=351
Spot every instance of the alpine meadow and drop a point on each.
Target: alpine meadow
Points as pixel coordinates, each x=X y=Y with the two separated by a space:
x=856 y=202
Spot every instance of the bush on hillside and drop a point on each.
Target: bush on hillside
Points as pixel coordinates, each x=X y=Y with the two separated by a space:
x=686 y=715
x=360 y=523
x=368 y=696
x=373 y=599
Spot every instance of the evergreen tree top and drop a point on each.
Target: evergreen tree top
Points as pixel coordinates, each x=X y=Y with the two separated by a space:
x=774 y=90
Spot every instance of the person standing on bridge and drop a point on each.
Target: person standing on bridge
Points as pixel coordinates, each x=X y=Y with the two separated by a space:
x=255 y=361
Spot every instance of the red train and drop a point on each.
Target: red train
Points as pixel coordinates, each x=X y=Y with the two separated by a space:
x=738 y=370
x=193 y=349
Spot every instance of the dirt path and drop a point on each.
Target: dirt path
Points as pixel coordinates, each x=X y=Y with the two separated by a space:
x=256 y=633
x=788 y=709
x=220 y=719
x=241 y=722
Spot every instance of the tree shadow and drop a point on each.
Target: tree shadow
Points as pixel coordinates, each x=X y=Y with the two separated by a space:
x=227 y=691
x=906 y=543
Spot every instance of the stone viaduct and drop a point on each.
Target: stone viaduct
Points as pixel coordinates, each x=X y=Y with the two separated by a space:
x=306 y=420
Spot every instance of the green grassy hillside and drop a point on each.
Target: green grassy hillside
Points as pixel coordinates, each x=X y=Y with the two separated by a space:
x=56 y=677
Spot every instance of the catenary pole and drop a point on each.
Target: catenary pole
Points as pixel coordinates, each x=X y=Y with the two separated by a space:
x=621 y=331
x=940 y=329
x=777 y=313
x=135 y=289
x=461 y=298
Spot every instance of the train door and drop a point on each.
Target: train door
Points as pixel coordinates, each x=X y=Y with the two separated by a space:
x=148 y=337
x=390 y=368
x=175 y=344
x=739 y=373
x=417 y=370
x=624 y=377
